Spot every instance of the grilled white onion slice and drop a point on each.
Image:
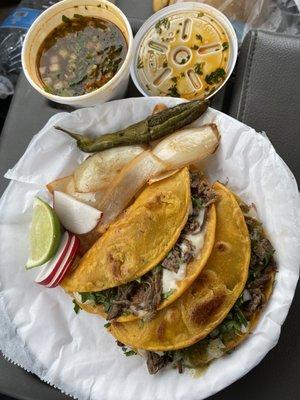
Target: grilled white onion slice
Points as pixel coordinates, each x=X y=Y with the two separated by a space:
x=187 y=146
x=99 y=170
x=131 y=179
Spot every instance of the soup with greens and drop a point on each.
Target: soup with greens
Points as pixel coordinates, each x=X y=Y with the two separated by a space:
x=80 y=55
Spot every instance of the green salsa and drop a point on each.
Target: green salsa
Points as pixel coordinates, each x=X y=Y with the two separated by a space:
x=81 y=55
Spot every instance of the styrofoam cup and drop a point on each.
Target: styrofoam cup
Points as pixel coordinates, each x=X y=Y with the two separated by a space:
x=177 y=8
x=49 y=20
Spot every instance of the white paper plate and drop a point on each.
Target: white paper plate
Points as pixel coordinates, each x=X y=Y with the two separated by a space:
x=38 y=328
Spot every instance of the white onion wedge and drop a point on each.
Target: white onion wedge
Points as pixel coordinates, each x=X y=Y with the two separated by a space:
x=67 y=185
x=99 y=170
x=131 y=179
x=92 y=199
x=60 y=184
x=75 y=216
x=187 y=146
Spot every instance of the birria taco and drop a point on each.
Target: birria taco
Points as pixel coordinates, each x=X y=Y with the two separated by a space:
x=151 y=254
x=223 y=304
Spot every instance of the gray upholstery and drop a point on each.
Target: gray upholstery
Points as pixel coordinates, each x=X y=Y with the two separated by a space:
x=266 y=93
x=137 y=11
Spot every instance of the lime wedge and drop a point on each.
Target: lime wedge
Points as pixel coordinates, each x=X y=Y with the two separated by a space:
x=45 y=234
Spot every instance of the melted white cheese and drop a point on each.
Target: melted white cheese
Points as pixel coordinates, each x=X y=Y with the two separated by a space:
x=78 y=298
x=170 y=278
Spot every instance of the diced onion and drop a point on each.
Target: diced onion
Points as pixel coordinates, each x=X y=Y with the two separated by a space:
x=187 y=146
x=42 y=70
x=215 y=349
x=63 y=53
x=100 y=170
x=54 y=59
x=54 y=67
x=246 y=295
x=67 y=185
x=131 y=179
x=59 y=85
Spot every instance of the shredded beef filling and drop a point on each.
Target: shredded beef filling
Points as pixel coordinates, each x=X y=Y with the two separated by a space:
x=262 y=267
x=173 y=260
x=201 y=190
x=143 y=296
x=155 y=362
x=138 y=296
x=261 y=272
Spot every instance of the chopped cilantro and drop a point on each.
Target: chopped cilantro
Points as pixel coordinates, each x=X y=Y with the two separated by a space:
x=107 y=325
x=105 y=297
x=239 y=316
x=200 y=14
x=65 y=19
x=76 y=307
x=141 y=324
x=128 y=352
x=267 y=257
x=162 y=23
x=139 y=64
x=165 y=64
x=195 y=47
x=199 y=37
x=78 y=16
x=87 y=296
x=173 y=91
x=47 y=89
x=158 y=268
x=174 y=79
x=216 y=76
x=198 y=68
x=225 y=45
x=197 y=203
x=168 y=294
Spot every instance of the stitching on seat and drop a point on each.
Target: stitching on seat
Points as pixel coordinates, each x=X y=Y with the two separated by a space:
x=247 y=80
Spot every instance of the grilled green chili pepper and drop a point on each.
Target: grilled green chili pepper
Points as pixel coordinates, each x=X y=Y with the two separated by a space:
x=152 y=128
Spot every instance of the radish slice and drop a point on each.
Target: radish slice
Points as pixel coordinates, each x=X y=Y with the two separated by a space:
x=75 y=216
x=50 y=268
x=66 y=264
x=54 y=271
